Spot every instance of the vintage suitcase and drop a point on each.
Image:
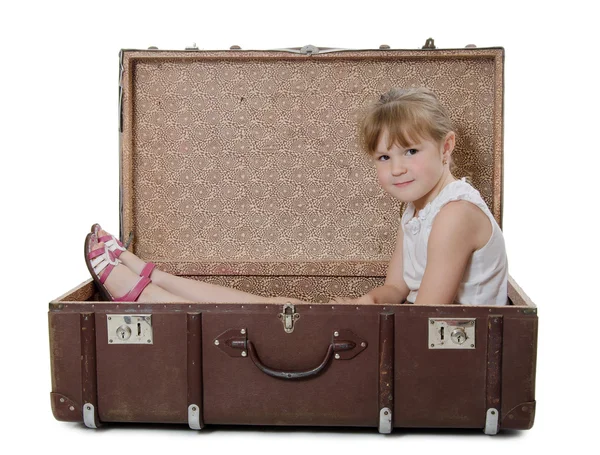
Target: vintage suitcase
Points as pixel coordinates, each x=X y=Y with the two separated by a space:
x=242 y=168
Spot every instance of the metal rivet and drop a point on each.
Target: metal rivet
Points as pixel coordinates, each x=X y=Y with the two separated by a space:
x=149 y=341
x=472 y=345
x=244 y=354
x=363 y=344
x=432 y=322
x=62 y=400
x=89 y=408
x=71 y=408
x=216 y=342
x=243 y=331
x=493 y=413
x=109 y=318
x=337 y=356
x=432 y=345
x=110 y=341
x=472 y=322
x=336 y=334
x=194 y=408
x=386 y=413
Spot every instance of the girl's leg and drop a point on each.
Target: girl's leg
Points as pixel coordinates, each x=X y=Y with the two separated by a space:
x=197 y=291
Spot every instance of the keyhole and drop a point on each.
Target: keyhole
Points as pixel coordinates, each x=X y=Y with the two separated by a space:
x=124 y=332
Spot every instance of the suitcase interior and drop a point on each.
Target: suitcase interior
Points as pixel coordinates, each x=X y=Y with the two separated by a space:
x=241 y=168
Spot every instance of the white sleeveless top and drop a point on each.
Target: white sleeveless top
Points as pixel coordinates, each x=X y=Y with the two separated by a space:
x=486 y=275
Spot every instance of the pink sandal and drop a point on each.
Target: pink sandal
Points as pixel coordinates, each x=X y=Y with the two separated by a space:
x=100 y=263
x=116 y=247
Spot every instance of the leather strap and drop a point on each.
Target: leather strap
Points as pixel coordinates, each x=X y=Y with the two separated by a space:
x=112 y=242
x=106 y=273
x=103 y=263
x=95 y=253
x=148 y=269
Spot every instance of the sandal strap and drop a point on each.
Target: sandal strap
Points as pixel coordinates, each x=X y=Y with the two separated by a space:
x=100 y=265
x=148 y=269
x=103 y=262
x=95 y=253
x=106 y=273
x=135 y=292
x=112 y=242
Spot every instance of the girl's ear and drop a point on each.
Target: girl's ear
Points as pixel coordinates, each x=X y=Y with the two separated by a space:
x=449 y=143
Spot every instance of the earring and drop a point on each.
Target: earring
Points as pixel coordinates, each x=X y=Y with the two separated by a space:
x=444 y=162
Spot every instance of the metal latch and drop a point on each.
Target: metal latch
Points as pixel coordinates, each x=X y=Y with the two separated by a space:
x=429 y=44
x=288 y=317
x=448 y=333
x=309 y=49
x=129 y=328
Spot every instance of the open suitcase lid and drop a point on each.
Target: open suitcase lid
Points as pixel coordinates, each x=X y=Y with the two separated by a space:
x=247 y=162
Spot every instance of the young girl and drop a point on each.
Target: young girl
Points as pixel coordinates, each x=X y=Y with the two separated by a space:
x=449 y=247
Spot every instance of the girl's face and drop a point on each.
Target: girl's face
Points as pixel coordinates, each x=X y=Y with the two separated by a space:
x=413 y=173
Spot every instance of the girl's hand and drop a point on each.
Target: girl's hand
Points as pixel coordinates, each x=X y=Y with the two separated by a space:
x=342 y=300
x=363 y=300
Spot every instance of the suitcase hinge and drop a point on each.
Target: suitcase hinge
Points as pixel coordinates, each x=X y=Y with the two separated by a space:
x=288 y=316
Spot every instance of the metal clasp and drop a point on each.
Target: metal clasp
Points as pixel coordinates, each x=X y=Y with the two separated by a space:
x=129 y=328
x=309 y=49
x=451 y=333
x=429 y=44
x=288 y=316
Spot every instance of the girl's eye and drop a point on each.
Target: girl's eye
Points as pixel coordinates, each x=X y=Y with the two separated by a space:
x=411 y=152
x=383 y=158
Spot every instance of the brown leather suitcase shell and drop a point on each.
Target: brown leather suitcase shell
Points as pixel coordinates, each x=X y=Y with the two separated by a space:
x=242 y=168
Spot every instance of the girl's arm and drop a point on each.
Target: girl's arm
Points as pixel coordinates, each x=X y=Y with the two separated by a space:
x=394 y=289
x=458 y=230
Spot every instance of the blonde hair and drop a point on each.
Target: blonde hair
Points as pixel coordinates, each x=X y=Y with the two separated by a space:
x=407 y=115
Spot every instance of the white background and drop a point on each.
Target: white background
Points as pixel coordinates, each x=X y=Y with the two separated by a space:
x=59 y=144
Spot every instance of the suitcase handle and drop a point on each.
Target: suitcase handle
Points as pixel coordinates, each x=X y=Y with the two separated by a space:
x=282 y=374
